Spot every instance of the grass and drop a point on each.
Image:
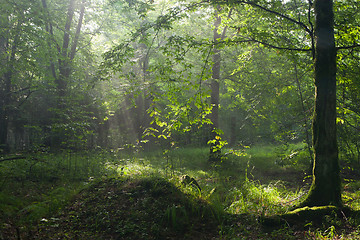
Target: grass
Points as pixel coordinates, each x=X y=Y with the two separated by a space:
x=50 y=189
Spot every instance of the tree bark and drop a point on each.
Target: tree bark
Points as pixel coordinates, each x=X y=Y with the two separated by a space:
x=326 y=185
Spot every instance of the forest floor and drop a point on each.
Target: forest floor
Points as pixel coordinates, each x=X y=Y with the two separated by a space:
x=136 y=199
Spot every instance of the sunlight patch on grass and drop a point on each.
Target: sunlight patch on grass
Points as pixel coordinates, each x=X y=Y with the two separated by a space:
x=351 y=195
x=263 y=200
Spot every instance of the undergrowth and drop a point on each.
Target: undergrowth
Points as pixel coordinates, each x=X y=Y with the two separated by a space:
x=241 y=189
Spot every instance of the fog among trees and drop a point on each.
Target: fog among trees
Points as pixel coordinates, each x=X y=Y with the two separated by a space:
x=234 y=95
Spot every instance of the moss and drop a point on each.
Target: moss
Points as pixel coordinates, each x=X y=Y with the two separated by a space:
x=300 y=215
x=310 y=213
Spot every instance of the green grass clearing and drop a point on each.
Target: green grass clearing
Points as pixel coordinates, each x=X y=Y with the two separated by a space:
x=242 y=188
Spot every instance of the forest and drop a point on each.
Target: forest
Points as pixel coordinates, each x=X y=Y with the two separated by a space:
x=192 y=119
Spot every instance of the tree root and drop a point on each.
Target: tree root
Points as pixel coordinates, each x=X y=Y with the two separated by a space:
x=307 y=214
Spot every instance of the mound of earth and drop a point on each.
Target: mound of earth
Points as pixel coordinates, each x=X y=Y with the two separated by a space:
x=146 y=208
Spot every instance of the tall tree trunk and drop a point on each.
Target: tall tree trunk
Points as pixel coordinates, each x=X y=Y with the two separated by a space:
x=49 y=29
x=326 y=185
x=215 y=92
x=143 y=114
x=6 y=81
x=215 y=151
x=64 y=61
x=78 y=31
x=3 y=94
x=65 y=56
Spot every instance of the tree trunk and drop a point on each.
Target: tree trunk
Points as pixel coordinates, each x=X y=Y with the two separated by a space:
x=6 y=82
x=65 y=56
x=326 y=185
x=215 y=151
x=215 y=92
x=77 y=33
x=49 y=29
x=143 y=115
x=64 y=61
x=3 y=94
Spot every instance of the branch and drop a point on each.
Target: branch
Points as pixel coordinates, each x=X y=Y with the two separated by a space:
x=225 y=28
x=348 y=47
x=22 y=90
x=12 y=158
x=26 y=98
x=301 y=24
x=351 y=125
x=267 y=45
x=77 y=33
x=282 y=48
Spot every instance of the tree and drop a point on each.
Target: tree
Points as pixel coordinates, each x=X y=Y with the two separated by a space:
x=164 y=83
x=326 y=185
x=215 y=144
x=20 y=45
x=63 y=52
x=66 y=53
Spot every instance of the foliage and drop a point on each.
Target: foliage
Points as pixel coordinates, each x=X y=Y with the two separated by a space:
x=136 y=92
x=96 y=182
